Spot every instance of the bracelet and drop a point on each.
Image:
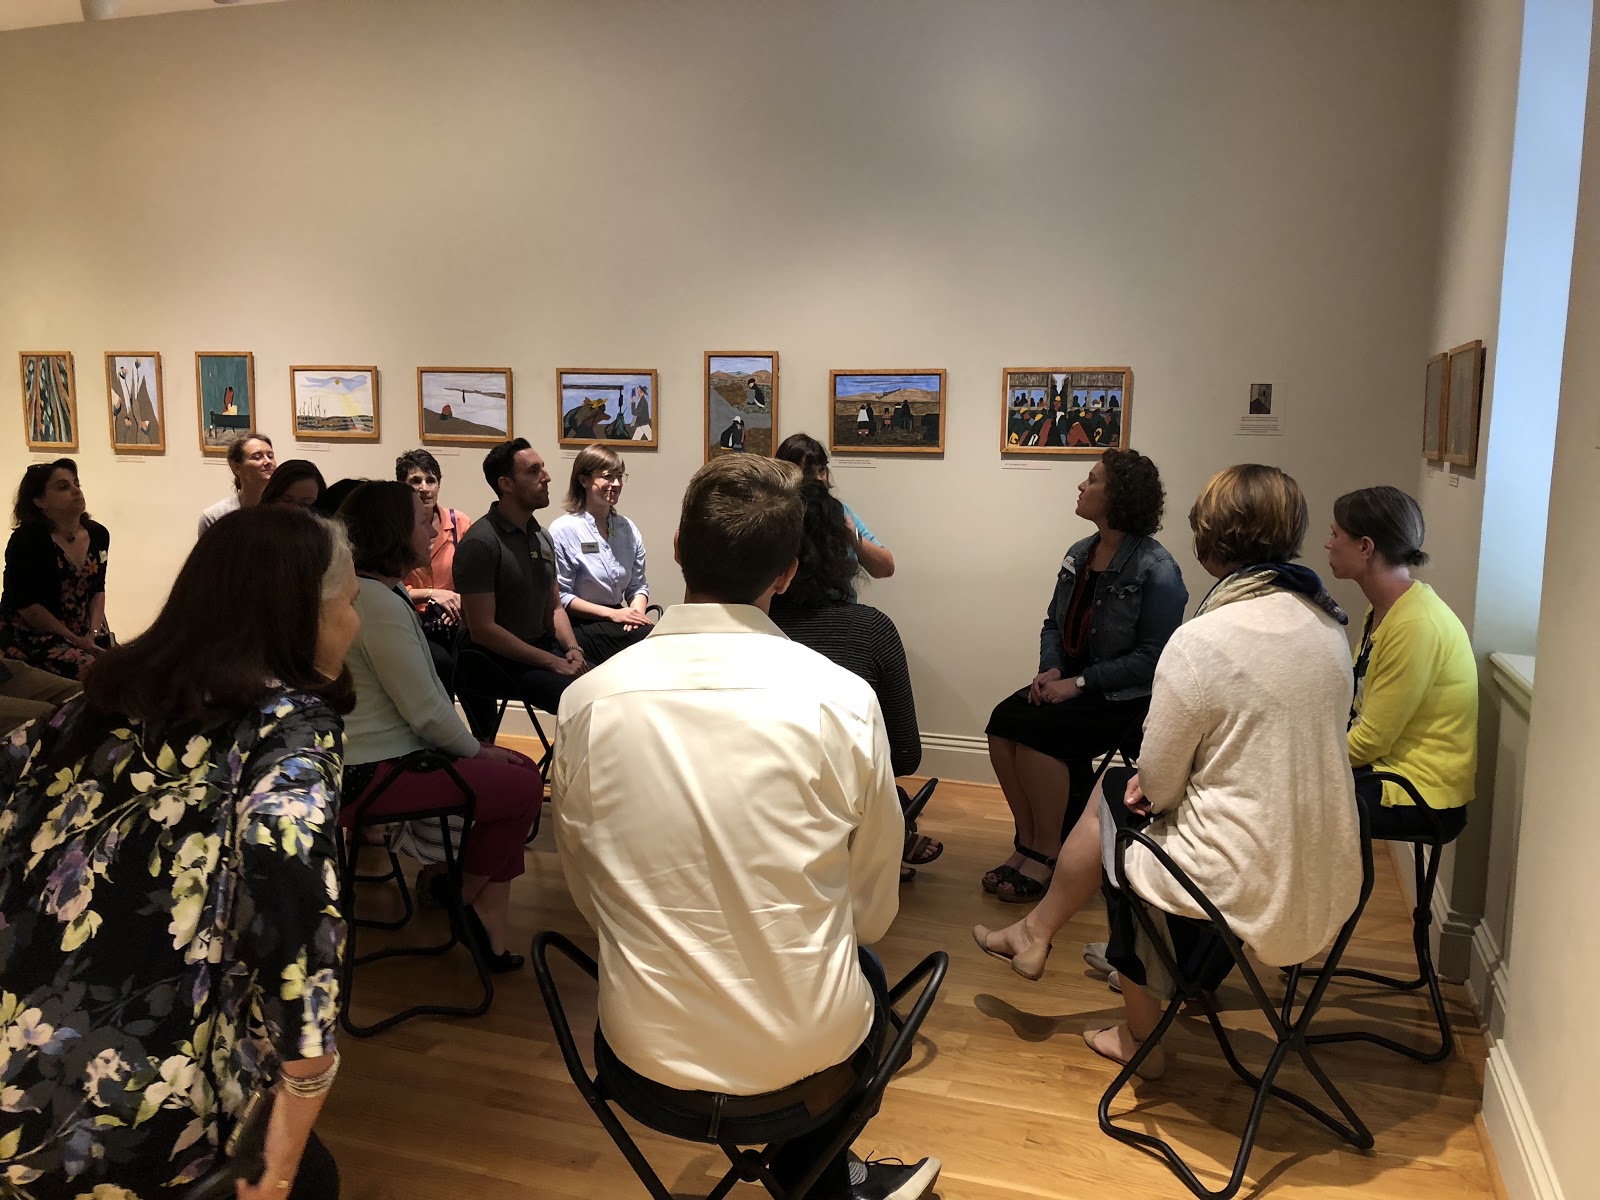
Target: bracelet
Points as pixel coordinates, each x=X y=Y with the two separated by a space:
x=314 y=1085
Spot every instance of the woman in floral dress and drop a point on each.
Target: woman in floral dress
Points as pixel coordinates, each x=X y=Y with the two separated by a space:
x=170 y=936
x=53 y=608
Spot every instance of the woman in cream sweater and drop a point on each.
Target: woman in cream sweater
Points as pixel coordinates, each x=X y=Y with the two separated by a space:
x=1242 y=777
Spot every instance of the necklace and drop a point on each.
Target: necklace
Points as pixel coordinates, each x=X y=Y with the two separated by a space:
x=68 y=538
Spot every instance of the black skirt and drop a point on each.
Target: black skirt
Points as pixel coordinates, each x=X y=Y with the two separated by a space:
x=1075 y=731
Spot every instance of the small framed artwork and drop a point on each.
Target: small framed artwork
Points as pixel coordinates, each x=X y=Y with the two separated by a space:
x=49 y=400
x=1463 y=398
x=1434 y=401
x=133 y=393
x=620 y=408
x=887 y=412
x=1065 y=410
x=225 y=389
x=464 y=406
x=335 y=404
x=741 y=402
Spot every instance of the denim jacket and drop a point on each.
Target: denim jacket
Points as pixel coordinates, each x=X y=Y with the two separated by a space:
x=1138 y=603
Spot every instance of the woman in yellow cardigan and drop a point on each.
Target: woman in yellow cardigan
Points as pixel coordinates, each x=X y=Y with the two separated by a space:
x=1416 y=700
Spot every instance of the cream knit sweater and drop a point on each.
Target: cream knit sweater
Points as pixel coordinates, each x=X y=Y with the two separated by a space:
x=1245 y=762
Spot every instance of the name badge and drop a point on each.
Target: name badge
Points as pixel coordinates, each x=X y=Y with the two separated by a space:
x=590 y=547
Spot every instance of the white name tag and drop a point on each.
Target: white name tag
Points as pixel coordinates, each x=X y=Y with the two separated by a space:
x=591 y=547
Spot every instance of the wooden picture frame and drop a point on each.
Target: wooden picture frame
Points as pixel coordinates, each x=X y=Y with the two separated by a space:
x=335 y=404
x=221 y=378
x=741 y=402
x=1463 y=404
x=485 y=420
x=584 y=397
x=49 y=399
x=1435 y=401
x=1065 y=412
x=857 y=401
x=135 y=403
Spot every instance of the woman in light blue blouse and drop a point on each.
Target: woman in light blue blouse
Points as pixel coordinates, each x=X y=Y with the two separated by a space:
x=600 y=558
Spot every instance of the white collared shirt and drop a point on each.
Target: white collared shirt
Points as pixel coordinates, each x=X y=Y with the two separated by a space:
x=602 y=567
x=728 y=823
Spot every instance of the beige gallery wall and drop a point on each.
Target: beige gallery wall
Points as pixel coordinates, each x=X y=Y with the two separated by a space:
x=1214 y=194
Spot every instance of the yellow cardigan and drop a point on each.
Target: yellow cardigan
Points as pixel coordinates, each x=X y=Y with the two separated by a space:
x=1416 y=712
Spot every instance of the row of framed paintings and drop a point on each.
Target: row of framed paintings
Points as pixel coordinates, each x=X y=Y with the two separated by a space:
x=1044 y=410
x=1452 y=404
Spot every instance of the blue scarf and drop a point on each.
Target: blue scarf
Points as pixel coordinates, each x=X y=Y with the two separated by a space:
x=1259 y=579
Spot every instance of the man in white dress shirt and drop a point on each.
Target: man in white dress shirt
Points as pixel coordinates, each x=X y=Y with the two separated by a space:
x=728 y=823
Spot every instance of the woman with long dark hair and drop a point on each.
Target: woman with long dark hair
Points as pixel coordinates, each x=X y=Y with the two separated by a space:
x=53 y=607
x=168 y=886
x=297 y=482
x=805 y=452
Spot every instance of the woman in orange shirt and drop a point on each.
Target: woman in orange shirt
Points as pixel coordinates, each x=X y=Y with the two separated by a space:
x=432 y=587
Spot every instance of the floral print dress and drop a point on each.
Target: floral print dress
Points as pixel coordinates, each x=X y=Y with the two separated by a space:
x=39 y=572
x=169 y=933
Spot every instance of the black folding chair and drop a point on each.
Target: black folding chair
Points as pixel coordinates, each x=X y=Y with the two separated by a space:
x=911 y=806
x=748 y=1165
x=1289 y=1029
x=366 y=811
x=1426 y=851
x=474 y=663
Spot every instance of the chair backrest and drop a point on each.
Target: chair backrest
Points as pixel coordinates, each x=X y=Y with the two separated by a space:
x=1429 y=813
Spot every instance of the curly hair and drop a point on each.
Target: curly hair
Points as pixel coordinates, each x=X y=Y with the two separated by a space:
x=1133 y=489
x=828 y=568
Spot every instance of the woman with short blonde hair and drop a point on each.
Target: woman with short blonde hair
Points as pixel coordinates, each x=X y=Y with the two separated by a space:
x=600 y=558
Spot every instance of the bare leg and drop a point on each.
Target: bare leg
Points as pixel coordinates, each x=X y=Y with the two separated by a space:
x=493 y=905
x=1121 y=1042
x=1045 y=784
x=1003 y=757
x=1076 y=880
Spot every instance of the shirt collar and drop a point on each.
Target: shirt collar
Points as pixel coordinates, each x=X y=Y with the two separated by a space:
x=505 y=524
x=715 y=618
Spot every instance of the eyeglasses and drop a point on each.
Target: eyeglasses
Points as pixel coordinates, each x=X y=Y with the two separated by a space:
x=612 y=476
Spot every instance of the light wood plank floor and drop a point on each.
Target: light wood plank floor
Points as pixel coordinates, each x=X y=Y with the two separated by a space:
x=1002 y=1089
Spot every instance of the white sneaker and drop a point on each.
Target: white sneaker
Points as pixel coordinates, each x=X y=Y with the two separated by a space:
x=1095 y=955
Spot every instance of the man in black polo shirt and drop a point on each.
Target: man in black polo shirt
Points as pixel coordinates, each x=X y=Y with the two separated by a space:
x=505 y=572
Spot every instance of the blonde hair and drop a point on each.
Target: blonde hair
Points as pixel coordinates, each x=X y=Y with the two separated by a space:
x=1249 y=514
x=592 y=459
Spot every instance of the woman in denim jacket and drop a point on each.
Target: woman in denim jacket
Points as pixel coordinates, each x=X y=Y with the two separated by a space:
x=1118 y=597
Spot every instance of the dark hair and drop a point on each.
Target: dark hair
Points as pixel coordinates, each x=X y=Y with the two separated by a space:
x=805 y=452
x=1135 y=498
x=1391 y=518
x=223 y=640
x=828 y=568
x=236 y=451
x=1249 y=514
x=501 y=461
x=381 y=518
x=740 y=526
x=416 y=460
x=34 y=482
x=336 y=494
x=287 y=474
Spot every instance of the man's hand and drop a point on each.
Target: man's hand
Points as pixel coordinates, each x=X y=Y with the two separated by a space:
x=572 y=664
x=1036 y=688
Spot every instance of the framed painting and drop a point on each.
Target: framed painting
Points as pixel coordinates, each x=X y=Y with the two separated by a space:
x=741 y=402
x=1463 y=399
x=225 y=390
x=1065 y=410
x=335 y=404
x=464 y=406
x=49 y=400
x=619 y=408
x=133 y=394
x=1434 y=400
x=887 y=412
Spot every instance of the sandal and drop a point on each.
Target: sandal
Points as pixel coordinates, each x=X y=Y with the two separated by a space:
x=992 y=879
x=907 y=874
x=1153 y=1067
x=1023 y=889
x=920 y=849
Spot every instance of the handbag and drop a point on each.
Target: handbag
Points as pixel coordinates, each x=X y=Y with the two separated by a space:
x=244 y=1156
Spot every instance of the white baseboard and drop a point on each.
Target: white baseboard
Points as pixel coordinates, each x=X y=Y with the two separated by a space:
x=1524 y=1160
x=956 y=756
x=1487 y=981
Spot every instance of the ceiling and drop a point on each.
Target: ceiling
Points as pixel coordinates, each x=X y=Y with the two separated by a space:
x=22 y=14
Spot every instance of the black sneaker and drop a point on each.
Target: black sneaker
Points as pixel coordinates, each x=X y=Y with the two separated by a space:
x=892 y=1179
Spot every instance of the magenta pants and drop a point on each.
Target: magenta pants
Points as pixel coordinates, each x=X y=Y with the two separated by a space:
x=506 y=810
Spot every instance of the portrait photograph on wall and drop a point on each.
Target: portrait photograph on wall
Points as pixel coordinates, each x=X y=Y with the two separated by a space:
x=1463 y=400
x=1434 y=400
x=133 y=394
x=49 y=400
x=464 y=406
x=741 y=402
x=335 y=404
x=1065 y=410
x=225 y=387
x=620 y=408
x=887 y=412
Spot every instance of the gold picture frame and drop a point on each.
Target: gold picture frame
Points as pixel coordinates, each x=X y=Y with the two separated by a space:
x=1065 y=412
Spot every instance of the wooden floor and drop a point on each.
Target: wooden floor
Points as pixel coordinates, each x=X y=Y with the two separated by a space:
x=1002 y=1089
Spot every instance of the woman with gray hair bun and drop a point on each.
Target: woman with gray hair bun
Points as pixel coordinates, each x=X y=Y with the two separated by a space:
x=1416 y=680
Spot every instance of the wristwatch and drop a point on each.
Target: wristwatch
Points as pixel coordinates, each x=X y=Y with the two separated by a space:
x=1081 y=682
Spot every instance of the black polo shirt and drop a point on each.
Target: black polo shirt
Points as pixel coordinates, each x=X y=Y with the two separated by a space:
x=517 y=565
